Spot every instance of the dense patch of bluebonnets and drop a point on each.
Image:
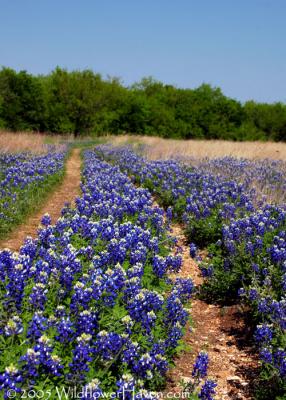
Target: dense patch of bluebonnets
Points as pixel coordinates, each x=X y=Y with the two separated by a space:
x=89 y=302
x=22 y=177
x=237 y=208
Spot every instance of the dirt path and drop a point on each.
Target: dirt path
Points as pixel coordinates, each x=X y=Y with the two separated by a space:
x=66 y=192
x=222 y=332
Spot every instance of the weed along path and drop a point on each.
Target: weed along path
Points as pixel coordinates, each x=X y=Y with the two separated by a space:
x=68 y=190
x=223 y=334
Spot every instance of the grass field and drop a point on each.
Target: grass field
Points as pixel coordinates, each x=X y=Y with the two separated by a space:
x=159 y=148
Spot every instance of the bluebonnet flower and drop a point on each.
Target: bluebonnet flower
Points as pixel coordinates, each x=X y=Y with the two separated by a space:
x=136 y=270
x=42 y=277
x=183 y=288
x=87 y=322
x=65 y=330
x=174 y=263
x=174 y=335
x=266 y=355
x=128 y=323
x=37 y=326
x=126 y=387
x=14 y=326
x=40 y=358
x=130 y=353
x=81 y=297
x=108 y=344
x=207 y=271
x=263 y=333
x=142 y=303
x=161 y=363
x=10 y=380
x=280 y=361
x=46 y=220
x=138 y=255
x=60 y=311
x=133 y=286
x=81 y=357
x=175 y=311
x=113 y=284
x=255 y=267
x=16 y=284
x=43 y=348
x=66 y=278
x=208 y=390
x=169 y=214
x=193 y=250
x=160 y=266
x=92 y=390
x=38 y=296
x=149 y=363
x=241 y=292
x=253 y=295
x=201 y=365
x=53 y=365
x=263 y=306
x=31 y=362
x=144 y=366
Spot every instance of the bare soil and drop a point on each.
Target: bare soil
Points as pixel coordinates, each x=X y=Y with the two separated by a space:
x=65 y=193
x=222 y=332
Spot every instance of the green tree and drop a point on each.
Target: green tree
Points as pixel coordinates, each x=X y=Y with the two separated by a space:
x=267 y=118
x=82 y=102
x=23 y=104
x=73 y=100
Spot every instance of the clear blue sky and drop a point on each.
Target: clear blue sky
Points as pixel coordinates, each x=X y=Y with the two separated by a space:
x=239 y=45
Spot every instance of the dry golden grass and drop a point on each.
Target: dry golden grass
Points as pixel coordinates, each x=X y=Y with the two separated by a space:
x=24 y=141
x=159 y=148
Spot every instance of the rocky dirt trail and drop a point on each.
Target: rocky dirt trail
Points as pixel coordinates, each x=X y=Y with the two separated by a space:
x=223 y=333
x=68 y=190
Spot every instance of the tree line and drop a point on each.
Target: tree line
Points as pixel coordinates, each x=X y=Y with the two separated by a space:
x=82 y=102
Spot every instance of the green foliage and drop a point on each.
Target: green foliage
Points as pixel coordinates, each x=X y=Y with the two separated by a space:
x=224 y=284
x=270 y=388
x=267 y=118
x=229 y=277
x=206 y=231
x=82 y=102
x=22 y=101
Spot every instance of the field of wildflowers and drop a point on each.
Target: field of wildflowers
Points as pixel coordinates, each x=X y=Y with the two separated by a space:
x=25 y=178
x=90 y=303
x=235 y=208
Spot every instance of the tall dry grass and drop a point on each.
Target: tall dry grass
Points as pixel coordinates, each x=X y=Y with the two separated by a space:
x=159 y=148
x=156 y=148
x=24 y=141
